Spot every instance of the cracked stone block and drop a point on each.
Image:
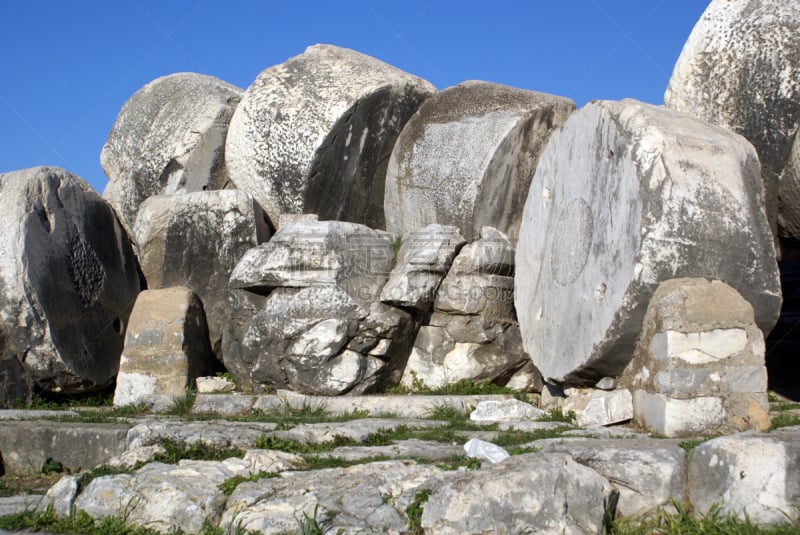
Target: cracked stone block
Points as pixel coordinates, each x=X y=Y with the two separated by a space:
x=699 y=365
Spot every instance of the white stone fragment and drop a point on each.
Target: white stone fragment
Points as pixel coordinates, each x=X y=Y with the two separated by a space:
x=212 y=385
x=485 y=451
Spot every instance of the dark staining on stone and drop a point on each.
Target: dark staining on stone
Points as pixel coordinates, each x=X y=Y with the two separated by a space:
x=86 y=271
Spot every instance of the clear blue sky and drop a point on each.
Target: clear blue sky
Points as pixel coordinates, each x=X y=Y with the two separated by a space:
x=67 y=66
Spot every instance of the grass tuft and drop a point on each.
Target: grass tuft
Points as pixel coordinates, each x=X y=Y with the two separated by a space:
x=414 y=511
x=465 y=387
x=681 y=522
x=182 y=406
x=177 y=450
x=556 y=414
x=230 y=484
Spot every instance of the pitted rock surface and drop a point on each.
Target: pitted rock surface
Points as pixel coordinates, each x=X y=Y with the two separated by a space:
x=313 y=134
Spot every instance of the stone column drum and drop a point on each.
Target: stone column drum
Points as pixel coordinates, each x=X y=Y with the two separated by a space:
x=625 y=196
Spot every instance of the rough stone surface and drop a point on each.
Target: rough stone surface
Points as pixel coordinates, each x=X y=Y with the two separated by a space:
x=472 y=333
x=501 y=411
x=467 y=156
x=68 y=280
x=423 y=261
x=367 y=498
x=214 y=385
x=61 y=496
x=541 y=493
x=699 y=365
x=313 y=134
x=195 y=240
x=322 y=329
x=309 y=253
x=440 y=357
x=408 y=406
x=599 y=407
x=740 y=69
x=161 y=496
x=748 y=475
x=166 y=346
x=218 y=434
x=481 y=279
x=12 y=505
x=625 y=196
x=401 y=449
x=647 y=473
x=169 y=137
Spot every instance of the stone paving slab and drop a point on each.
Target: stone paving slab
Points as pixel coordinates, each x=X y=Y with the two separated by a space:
x=25 y=445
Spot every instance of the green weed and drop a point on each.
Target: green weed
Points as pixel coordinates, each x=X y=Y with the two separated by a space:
x=79 y=523
x=182 y=406
x=313 y=524
x=272 y=442
x=414 y=511
x=176 y=450
x=785 y=420
x=556 y=414
x=230 y=484
x=689 y=445
x=681 y=522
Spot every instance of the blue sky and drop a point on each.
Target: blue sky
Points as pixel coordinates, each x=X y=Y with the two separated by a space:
x=68 y=66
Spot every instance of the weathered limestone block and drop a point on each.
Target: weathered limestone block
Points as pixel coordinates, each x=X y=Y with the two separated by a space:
x=212 y=385
x=195 y=240
x=220 y=434
x=599 y=407
x=322 y=329
x=627 y=195
x=472 y=332
x=467 y=156
x=699 y=365
x=163 y=496
x=166 y=346
x=505 y=410
x=313 y=134
x=451 y=349
x=481 y=279
x=68 y=280
x=169 y=137
x=308 y=253
x=647 y=473
x=740 y=69
x=366 y=498
x=748 y=475
x=422 y=262
x=542 y=493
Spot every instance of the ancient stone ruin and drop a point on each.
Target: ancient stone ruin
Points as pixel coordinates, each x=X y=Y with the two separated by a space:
x=340 y=228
